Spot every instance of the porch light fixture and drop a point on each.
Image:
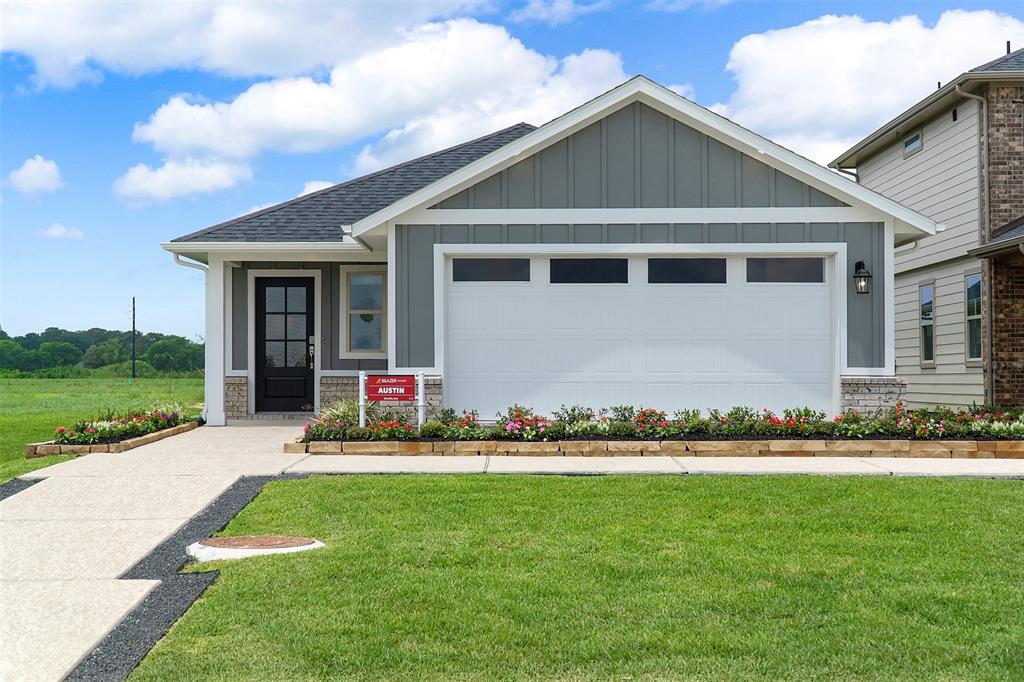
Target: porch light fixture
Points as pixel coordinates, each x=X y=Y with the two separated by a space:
x=861 y=278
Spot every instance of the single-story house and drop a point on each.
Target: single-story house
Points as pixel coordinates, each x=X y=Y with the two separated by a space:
x=638 y=249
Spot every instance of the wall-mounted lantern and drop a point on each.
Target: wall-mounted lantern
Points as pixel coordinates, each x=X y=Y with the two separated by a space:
x=861 y=278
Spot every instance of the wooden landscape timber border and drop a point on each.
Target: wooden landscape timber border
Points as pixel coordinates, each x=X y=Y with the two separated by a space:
x=971 y=449
x=51 y=448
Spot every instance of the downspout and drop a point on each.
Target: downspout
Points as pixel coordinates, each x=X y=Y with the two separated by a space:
x=986 y=220
x=189 y=264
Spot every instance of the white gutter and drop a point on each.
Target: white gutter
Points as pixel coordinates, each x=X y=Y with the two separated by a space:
x=277 y=247
x=188 y=264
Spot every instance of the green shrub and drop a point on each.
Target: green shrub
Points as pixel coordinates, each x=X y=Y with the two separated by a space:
x=433 y=429
x=618 y=429
x=358 y=433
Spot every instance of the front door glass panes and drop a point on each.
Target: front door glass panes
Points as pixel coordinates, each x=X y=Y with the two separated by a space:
x=286 y=327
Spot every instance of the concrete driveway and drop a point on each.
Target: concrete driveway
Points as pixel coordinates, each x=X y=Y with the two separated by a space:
x=65 y=540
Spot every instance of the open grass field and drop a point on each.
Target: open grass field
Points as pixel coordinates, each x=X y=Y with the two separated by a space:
x=730 y=578
x=30 y=409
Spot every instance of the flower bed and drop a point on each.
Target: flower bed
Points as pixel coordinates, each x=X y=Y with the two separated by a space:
x=625 y=423
x=115 y=433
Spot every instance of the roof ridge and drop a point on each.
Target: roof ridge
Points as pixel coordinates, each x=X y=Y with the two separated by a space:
x=1002 y=58
x=348 y=183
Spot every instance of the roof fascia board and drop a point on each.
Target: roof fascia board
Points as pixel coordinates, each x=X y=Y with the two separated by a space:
x=924 y=108
x=679 y=108
x=271 y=247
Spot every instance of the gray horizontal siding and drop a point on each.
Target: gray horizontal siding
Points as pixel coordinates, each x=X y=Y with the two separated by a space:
x=330 y=311
x=414 y=268
x=942 y=181
x=638 y=157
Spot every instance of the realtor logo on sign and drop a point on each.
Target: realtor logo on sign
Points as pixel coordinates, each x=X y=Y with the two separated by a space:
x=391 y=387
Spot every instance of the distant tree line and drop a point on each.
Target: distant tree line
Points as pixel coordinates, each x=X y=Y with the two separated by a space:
x=96 y=348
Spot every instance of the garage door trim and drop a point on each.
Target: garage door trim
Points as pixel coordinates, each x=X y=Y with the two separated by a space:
x=833 y=252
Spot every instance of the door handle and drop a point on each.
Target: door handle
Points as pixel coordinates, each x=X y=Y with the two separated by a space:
x=312 y=350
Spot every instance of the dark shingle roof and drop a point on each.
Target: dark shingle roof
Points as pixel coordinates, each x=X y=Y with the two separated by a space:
x=1009 y=62
x=1010 y=231
x=317 y=217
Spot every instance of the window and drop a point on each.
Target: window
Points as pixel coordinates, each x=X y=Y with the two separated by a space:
x=786 y=270
x=686 y=270
x=926 y=301
x=363 y=293
x=972 y=285
x=589 y=271
x=491 y=270
x=913 y=144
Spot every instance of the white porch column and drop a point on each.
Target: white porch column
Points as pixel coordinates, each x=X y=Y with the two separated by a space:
x=214 y=385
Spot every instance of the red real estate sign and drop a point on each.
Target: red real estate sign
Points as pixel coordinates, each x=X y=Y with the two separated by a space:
x=391 y=387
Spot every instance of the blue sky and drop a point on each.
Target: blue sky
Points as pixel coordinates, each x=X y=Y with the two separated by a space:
x=194 y=113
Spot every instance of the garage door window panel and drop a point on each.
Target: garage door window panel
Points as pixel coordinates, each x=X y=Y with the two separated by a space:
x=686 y=271
x=490 y=270
x=589 y=271
x=786 y=270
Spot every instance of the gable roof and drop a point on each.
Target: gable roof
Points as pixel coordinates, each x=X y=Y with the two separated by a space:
x=1008 y=67
x=318 y=216
x=1009 y=237
x=642 y=89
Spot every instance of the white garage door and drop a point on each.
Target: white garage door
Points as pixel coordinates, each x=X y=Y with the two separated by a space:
x=667 y=332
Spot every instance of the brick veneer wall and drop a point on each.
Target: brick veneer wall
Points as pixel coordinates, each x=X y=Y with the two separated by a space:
x=1008 y=333
x=236 y=398
x=868 y=394
x=1006 y=153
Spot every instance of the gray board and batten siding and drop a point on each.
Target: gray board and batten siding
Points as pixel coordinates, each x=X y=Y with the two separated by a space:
x=635 y=157
x=330 y=312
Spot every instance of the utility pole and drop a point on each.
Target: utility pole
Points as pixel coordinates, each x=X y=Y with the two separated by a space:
x=133 y=340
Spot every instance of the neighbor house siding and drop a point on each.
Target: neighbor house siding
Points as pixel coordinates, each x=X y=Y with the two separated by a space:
x=952 y=381
x=330 y=311
x=942 y=181
x=638 y=157
x=414 y=271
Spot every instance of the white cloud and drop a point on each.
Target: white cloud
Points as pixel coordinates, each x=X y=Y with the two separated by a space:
x=683 y=89
x=37 y=175
x=178 y=178
x=315 y=185
x=73 y=42
x=820 y=86
x=480 y=79
x=554 y=12
x=58 y=231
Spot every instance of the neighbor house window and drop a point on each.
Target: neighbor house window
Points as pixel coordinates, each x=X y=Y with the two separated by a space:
x=912 y=144
x=589 y=271
x=491 y=270
x=786 y=270
x=365 y=302
x=686 y=270
x=972 y=284
x=926 y=307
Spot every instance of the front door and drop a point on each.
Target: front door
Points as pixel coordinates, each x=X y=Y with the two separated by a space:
x=285 y=344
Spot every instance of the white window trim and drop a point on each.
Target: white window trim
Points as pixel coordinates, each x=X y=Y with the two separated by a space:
x=317 y=314
x=344 y=272
x=973 y=362
x=927 y=364
x=835 y=276
x=919 y=133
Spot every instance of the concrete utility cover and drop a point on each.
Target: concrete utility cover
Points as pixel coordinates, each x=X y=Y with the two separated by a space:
x=212 y=549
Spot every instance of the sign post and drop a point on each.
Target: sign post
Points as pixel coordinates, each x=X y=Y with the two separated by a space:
x=391 y=388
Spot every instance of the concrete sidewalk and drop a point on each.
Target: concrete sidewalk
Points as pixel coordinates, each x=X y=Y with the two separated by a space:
x=65 y=541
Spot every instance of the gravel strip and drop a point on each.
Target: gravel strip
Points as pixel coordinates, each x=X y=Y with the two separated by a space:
x=127 y=644
x=16 y=485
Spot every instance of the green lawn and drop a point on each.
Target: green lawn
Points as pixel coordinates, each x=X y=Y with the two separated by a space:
x=30 y=409
x=767 y=578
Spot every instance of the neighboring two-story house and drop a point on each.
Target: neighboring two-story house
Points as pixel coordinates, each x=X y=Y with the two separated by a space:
x=957 y=156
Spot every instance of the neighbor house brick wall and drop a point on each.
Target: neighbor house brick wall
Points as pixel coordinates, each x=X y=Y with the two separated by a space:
x=868 y=394
x=333 y=389
x=1008 y=332
x=236 y=397
x=1006 y=153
